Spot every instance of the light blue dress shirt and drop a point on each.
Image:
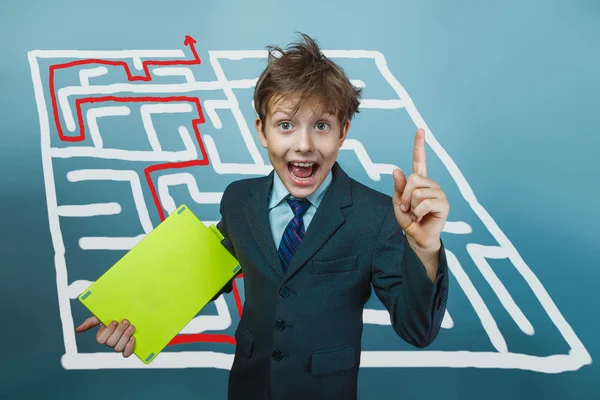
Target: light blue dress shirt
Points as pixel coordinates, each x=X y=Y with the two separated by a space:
x=280 y=212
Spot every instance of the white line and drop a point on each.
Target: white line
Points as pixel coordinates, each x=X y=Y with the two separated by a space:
x=118 y=175
x=373 y=170
x=175 y=71
x=238 y=54
x=94 y=113
x=358 y=83
x=480 y=254
x=447 y=322
x=95 y=54
x=188 y=143
x=242 y=83
x=363 y=157
x=128 y=155
x=382 y=317
x=241 y=54
x=211 y=105
x=63 y=103
x=232 y=168
x=222 y=82
x=237 y=113
x=376 y=317
x=166 y=359
x=465 y=359
x=369 y=359
x=109 y=243
x=183 y=178
x=227 y=86
x=81 y=91
x=137 y=63
x=64 y=303
x=204 y=323
x=487 y=321
x=149 y=128
x=114 y=88
x=146 y=110
x=383 y=168
x=578 y=351
x=352 y=54
x=457 y=227
x=89 y=210
x=87 y=73
x=381 y=104
x=78 y=287
x=135 y=55
x=578 y=356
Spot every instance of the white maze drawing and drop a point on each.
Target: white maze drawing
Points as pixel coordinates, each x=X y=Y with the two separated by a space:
x=498 y=355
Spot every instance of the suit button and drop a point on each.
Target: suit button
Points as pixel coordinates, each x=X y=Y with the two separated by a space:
x=277 y=355
x=284 y=292
x=280 y=325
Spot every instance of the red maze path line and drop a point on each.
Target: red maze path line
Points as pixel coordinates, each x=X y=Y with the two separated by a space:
x=156 y=167
x=182 y=338
x=189 y=41
x=188 y=338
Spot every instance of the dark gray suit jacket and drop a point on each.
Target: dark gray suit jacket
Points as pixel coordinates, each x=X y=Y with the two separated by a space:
x=300 y=332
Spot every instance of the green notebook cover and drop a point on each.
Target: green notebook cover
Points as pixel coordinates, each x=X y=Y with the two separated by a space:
x=163 y=282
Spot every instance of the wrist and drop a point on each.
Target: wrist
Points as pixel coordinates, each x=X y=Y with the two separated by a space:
x=429 y=246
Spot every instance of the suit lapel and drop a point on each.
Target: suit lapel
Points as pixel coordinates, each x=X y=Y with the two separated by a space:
x=257 y=214
x=326 y=221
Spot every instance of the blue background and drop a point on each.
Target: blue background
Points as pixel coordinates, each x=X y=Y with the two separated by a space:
x=510 y=90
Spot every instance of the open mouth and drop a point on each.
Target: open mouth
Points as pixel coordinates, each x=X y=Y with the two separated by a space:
x=303 y=172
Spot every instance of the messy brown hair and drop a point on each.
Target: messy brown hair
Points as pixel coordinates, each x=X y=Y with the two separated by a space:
x=303 y=70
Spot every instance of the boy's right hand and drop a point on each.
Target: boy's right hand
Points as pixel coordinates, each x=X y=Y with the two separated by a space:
x=117 y=336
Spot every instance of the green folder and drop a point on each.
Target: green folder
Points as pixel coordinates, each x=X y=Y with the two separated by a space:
x=163 y=282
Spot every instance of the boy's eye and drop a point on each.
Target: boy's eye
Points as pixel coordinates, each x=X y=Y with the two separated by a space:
x=286 y=126
x=322 y=126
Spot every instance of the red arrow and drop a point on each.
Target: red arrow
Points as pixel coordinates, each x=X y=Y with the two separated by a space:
x=189 y=41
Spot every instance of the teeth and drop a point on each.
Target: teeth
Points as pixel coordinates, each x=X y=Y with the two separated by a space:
x=302 y=179
x=303 y=164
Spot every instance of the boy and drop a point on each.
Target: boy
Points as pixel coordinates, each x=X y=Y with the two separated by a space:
x=311 y=241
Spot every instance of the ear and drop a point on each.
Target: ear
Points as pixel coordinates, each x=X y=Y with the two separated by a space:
x=344 y=133
x=261 y=135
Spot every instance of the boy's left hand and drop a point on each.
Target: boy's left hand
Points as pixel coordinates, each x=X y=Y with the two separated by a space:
x=426 y=204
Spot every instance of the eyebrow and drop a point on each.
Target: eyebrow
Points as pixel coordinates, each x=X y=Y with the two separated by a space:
x=289 y=112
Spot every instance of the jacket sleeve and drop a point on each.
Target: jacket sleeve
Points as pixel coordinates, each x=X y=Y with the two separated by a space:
x=226 y=242
x=416 y=304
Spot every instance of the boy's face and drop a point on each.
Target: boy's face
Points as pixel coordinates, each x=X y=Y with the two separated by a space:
x=310 y=137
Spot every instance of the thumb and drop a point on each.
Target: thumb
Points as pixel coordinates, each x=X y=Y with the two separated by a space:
x=88 y=324
x=399 y=184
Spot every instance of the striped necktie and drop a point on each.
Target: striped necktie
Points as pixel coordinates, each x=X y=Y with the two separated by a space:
x=294 y=232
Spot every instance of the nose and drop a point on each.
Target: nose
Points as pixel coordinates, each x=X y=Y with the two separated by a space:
x=304 y=141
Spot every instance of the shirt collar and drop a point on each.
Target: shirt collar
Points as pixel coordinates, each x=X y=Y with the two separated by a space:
x=280 y=192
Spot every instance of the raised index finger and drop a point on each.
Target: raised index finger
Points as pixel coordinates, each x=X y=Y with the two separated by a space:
x=419 y=161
